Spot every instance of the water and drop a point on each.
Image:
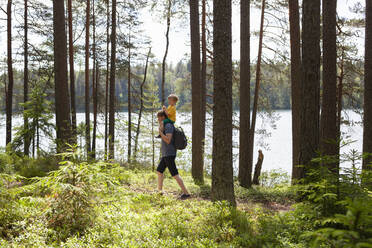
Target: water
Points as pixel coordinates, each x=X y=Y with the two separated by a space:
x=273 y=136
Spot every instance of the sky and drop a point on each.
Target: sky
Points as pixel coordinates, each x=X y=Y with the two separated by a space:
x=179 y=47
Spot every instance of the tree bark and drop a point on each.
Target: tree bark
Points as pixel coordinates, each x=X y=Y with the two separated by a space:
x=94 y=84
x=112 y=84
x=340 y=93
x=129 y=105
x=203 y=76
x=295 y=40
x=9 y=91
x=367 y=135
x=245 y=172
x=258 y=168
x=72 y=73
x=166 y=53
x=62 y=104
x=222 y=163
x=256 y=93
x=27 y=138
x=328 y=132
x=310 y=106
x=107 y=75
x=87 y=85
x=141 y=104
x=197 y=140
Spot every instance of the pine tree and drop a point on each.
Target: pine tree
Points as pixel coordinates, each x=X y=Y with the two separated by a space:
x=329 y=132
x=111 y=133
x=310 y=104
x=245 y=171
x=295 y=38
x=222 y=163
x=62 y=104
x=367 y=135
x=197 y=139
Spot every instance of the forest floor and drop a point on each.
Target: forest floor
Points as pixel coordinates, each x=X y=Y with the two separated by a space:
x=134 y=214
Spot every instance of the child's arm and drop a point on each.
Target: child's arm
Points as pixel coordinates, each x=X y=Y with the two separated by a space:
x=165 y=110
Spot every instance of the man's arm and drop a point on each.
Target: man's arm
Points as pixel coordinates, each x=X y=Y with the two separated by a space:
x=166 y=138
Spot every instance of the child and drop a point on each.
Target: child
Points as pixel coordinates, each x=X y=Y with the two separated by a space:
x=170 y=111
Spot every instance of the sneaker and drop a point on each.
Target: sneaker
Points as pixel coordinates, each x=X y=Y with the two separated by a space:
x=185 y=196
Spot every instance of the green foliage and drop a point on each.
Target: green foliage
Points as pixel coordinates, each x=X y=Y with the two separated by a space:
x=72 y=189
x=353 y=229
x=10 y=211
x=39 y=112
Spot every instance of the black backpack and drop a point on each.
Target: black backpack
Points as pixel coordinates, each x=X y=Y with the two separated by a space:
x=180 y=139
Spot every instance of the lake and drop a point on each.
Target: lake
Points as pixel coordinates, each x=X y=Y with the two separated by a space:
x=274 y=137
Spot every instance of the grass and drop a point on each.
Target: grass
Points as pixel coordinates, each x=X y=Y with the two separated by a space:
x=132 y=214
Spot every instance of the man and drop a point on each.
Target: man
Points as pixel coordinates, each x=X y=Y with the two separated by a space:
x=168 y=155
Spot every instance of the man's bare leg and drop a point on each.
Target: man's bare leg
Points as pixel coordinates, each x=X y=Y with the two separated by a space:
x=181 y=184
x=160 y=181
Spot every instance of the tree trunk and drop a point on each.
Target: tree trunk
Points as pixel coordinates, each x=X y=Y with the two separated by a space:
x=258 y=168
x=340 y=87
x=222 y=162
x=203 y=76
x=95 y=109
x=27 y=138
x=295 y=39
x=309 y=135
x=9 y=92
x=328 y=133
x=166 y=53
x=256 y=93
x=94 y=84
x=72 y=73
x=62 y=104
x=129 y=105
x=197 y=140
x=141 y=104
x=107 y=75
x=367 y=135
x=87 y=87
x=245 y=172
x=112 y=84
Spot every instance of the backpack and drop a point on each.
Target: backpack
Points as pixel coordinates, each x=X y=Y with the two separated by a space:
x=180 y=139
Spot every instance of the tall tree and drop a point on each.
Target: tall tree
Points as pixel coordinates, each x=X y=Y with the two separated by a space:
x=62 y=104
x=329 y=134
x=112 y=83
x=72 y=71
x=197 y=140
x=310 y=106
x=107 y=74
x=295 y=40
x=87 y=87
x=142 y=104
x=256 y=93
x=27 y=138
x=9 y=90
x=367 y=135
x=245 y=171
x=129 y=102
x=222 y=163
x=203 y=75
x=168 y=13
x=94 y=83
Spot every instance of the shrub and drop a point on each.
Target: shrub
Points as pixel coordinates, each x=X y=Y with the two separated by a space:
x=72 y=190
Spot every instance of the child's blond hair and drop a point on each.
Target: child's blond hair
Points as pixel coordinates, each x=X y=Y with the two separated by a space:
x=174 y=97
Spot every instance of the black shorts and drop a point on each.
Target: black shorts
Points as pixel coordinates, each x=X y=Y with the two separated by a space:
x=170 y=163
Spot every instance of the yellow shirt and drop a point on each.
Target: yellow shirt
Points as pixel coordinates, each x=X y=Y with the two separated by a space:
x=172 y=113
